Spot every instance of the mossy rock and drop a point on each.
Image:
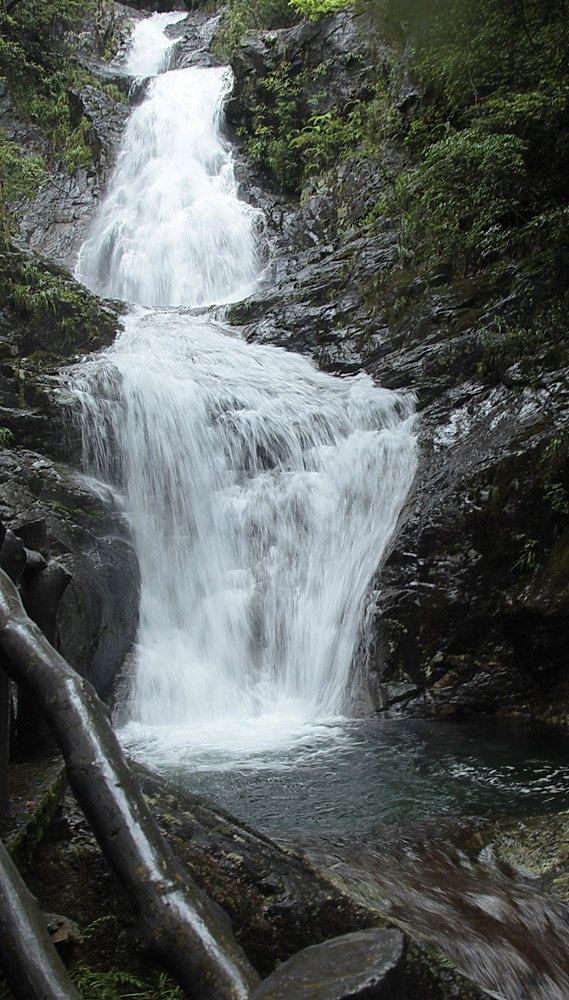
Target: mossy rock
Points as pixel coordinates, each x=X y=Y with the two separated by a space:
x=48 y=313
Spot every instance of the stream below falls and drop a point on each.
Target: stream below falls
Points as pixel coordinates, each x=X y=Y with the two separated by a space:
x=262 y=495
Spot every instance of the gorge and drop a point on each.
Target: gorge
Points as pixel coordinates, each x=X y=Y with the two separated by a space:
x=261 y=495
x=278 y=511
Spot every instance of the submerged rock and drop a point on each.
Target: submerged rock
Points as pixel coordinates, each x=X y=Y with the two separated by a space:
x=441 y=882
x=279 y=904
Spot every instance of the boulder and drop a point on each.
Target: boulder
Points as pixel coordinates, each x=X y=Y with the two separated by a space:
x=91 y=578
x=366 y=965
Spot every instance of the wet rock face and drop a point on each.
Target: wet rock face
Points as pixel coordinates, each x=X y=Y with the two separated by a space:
x=58 y=221
x=82 y=538
x=463 y=612
x=279 y=903
x=337 y=55
x=472 y=614
x=440 y=879
x=46 y=320
x=473 y=596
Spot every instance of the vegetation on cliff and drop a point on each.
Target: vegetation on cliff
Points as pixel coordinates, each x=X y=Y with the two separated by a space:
x=487 y=143
x=40 y=79
x=480 y=205
x=45 y=311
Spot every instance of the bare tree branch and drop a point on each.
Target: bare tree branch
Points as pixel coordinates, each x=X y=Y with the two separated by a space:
x=184 y=930
x=33 y=968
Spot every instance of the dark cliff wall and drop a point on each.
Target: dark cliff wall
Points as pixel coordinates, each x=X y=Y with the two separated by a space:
x=58 y=129
x=415 y=245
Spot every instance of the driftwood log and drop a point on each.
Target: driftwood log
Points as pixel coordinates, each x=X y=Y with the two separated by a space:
x=179 y=925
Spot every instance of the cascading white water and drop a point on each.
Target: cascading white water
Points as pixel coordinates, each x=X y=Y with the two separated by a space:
x=262 y=493
x=171 y=230
x=149 y=49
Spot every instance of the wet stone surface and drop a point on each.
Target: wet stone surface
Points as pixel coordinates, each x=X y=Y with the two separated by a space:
x=366 y=965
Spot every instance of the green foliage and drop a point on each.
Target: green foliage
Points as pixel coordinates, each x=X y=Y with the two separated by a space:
x=42 y=16
x=46 y=100
x=38 y=293
x=21 y=174
x=554 y=469
x=64 y=313
x=242 y=16
x=487 y=148
x=292 y=141
x=41 y=83
x=491 y=140
x=77 y=152
x=529 y=561
x=117 y=984
x=460 y=202
x=6 y=437
x=502 y=345
x=275 y=123
x=333 y=137
x=319 y=8
x=105 y=922
x=465 y=52
x=113 y=984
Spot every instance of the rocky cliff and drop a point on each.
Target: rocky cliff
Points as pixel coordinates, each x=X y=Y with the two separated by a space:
x=472 y=612
x=48 y=321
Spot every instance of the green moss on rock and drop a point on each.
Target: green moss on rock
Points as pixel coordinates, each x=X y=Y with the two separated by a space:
x=49 y=311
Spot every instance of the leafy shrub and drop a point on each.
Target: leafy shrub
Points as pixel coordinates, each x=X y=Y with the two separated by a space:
x=41 y=82
x=466 y=52
x=554 y=469
x=64 y=315
x=77 y=152
x=114 y=984
x=490 y=139
x=502 y=345
x=319 y=8
x=6 y=437
x=242 y=16
x=333 y=137
x=21 y=174
x=275 y=120
x=459 y=204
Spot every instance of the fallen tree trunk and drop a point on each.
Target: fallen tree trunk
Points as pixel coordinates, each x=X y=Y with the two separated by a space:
x=4 y=745
x=33 y=969
x=179 y=925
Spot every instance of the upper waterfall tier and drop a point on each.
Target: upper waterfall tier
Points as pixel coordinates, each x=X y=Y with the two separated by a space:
x=171 y=230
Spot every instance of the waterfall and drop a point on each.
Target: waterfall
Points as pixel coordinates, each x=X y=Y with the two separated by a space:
x=261 y=492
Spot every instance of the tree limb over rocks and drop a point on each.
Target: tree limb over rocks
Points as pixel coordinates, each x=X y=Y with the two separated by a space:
x=32 y=966
x=179 y=925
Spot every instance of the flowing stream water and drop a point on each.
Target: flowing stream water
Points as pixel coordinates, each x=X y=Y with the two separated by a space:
x=262 y=495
